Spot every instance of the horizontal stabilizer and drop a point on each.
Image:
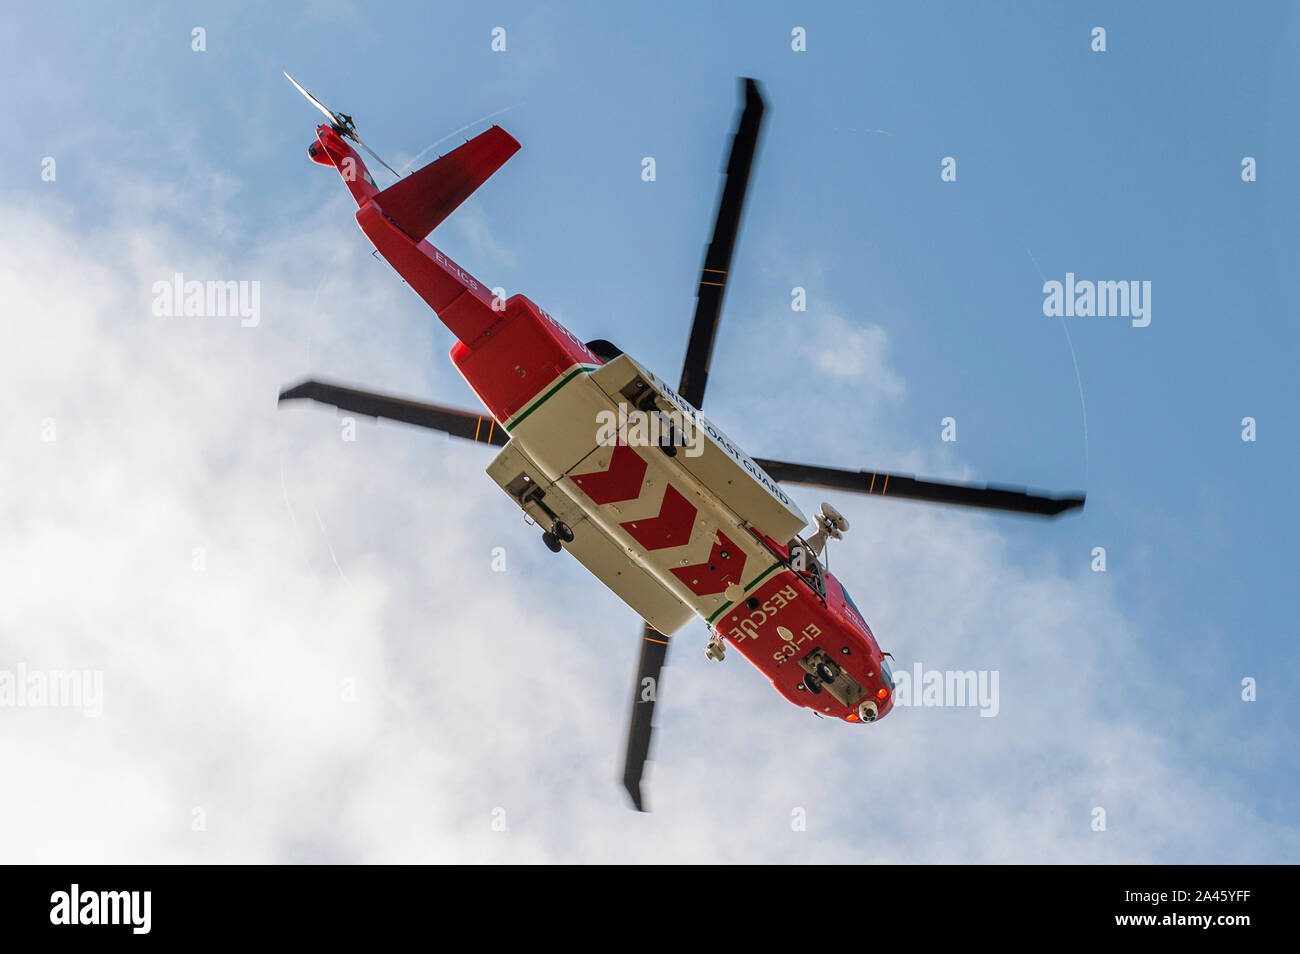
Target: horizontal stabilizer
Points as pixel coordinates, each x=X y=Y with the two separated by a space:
x=421 y=201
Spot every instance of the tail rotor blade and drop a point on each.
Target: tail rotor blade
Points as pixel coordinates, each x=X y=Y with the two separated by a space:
x=654 y=650
x=334 y=120
x=342 y=123
x=357 y=139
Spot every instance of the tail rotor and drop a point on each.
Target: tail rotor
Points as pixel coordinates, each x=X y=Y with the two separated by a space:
x=342 y=123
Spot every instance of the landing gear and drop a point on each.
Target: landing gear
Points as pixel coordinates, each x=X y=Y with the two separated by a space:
x=530 y=493
x=670 y=442
x=557 y=536
x=824 y=672
x=812 y=684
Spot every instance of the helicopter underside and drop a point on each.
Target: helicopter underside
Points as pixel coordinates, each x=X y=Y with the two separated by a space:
x=665 y=533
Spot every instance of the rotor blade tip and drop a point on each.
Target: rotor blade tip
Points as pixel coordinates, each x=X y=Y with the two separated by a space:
x=299 y=390
x=634 y=789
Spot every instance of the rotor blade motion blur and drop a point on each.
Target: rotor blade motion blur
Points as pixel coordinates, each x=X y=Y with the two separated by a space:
x=695 y=375
x=1011 y=499
x=473 y=427
x=654 y=650
x=717 y=258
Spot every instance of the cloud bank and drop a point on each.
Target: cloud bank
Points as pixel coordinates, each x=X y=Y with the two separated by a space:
x=307 y=655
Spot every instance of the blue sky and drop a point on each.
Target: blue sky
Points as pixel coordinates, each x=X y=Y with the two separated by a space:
x=925 y=301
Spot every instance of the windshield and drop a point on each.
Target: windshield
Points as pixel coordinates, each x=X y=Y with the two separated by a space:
x=887 y=672
x=848 y=599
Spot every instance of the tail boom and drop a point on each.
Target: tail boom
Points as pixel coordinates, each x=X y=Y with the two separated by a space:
x=508 y=350
x=460 y=300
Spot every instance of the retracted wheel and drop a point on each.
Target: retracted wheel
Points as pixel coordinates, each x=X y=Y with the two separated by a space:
x=825 y=673
x=561 y=530
x=812 y=684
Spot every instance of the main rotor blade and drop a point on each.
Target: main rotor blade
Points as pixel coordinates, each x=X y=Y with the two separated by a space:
x=717 y=258
x=1013 y=499
x=449 y=420
x=654 y=650
x=334 y=120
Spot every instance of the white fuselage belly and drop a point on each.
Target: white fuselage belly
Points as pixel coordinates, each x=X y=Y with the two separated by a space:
x=669 y=535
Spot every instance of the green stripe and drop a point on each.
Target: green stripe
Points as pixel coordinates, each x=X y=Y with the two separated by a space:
x=761 y=577
x=518 y=418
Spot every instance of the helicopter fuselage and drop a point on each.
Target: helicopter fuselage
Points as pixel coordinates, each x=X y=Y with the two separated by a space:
x=675 y=535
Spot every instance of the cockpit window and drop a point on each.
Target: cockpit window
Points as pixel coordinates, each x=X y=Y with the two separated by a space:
x=848 y=599
x=887 y=672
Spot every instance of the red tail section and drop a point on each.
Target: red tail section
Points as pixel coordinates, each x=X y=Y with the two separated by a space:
x=420 y=201
x=507 y=349
x=330 y=149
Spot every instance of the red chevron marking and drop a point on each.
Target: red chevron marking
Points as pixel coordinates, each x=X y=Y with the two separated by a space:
x=671 y=528
x=725 y=565
x=620 y=481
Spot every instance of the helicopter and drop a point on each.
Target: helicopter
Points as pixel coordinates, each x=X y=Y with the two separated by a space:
x=622 y=469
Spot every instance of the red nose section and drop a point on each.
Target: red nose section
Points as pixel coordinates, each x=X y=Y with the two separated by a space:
x=817 y=653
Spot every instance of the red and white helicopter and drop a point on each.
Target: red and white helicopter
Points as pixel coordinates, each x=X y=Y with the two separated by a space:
x=622 y=469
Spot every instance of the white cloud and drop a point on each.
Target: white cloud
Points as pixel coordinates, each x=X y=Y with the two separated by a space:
x=844 y=350
x=478 y=690
x=472 y=224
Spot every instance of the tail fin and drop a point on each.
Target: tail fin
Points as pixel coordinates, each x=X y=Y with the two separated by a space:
x=330 y=149
x=421 y=201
